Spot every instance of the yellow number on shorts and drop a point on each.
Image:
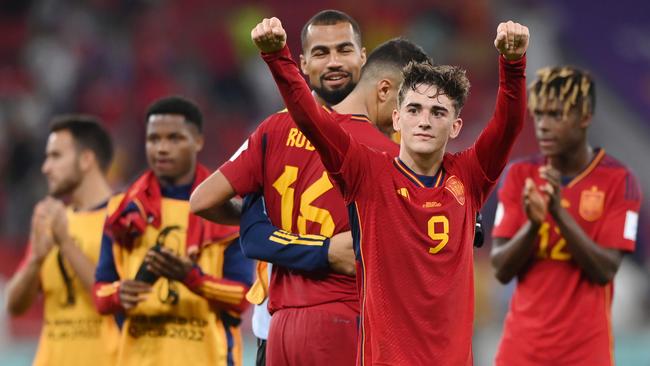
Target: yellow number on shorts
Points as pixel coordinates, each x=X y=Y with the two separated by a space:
x=442 y=236
x=307 y=212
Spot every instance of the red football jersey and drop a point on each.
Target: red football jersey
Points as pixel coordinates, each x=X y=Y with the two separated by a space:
x=415 y=242
x=556 y=315
x=278 y=160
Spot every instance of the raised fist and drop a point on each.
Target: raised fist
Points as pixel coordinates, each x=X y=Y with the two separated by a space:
x=511 y=40
x=269 y=36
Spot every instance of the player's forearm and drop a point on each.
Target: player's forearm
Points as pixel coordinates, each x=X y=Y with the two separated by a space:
x=82 y=266
x=599 y=264
x=222 y=293
x=329 y=139
x=261 y=240
x=212 y=200
x=227 y=213
x=23 y=288
x=509 y=258
x=495 y=142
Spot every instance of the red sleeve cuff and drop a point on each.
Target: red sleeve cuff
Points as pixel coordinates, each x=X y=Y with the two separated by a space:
x=271 y=56
x=194 y=278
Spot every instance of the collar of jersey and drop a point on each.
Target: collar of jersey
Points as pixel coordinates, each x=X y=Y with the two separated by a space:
x=356 y=117
x=600 y=154
x=438 y=178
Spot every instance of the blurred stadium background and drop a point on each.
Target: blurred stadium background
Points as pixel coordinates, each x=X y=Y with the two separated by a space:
x=112 y=58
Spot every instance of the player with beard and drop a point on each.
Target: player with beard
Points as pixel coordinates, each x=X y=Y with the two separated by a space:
x=64 y=247
x=332 y=57
x=300 y=197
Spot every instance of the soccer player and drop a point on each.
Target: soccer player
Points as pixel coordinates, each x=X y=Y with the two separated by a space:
x=176 y=281
x=300 y=197
x=332 y=58
x=412 y=216
x=564 y=220
x=64 y=247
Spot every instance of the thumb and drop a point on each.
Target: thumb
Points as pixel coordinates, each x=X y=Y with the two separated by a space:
x=499 y=41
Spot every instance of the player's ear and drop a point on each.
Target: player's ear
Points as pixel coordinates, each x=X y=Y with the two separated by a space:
x=384 y=90
x=303 y=64
x=456 y=126
x=199 y=141
x=585 y=121
x=396 y=126
x=86 y=160
x=363 y=56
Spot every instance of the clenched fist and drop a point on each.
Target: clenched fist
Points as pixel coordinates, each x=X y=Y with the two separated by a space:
x=511 y=40
x=269 y=36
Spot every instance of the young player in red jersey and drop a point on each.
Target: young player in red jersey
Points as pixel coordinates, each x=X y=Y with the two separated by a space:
x=281 y=162
x=412 y=217
x=565 y=241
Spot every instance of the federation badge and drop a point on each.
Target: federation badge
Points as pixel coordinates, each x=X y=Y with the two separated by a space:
x=592 y=203
x=455 y=186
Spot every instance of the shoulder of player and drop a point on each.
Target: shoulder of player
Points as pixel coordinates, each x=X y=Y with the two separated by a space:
x=615 y=170
x=367 y=134
x=279 y=119
x=610 y=162
x=114 y=202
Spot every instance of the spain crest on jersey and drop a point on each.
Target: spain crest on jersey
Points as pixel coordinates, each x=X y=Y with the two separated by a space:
x=455 y=186
x=592 y=203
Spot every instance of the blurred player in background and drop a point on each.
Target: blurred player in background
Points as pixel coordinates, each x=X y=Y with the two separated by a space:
x=412 y=218
x=315 y=305
x=177 y=281
x=564 y=220
x=64 y=245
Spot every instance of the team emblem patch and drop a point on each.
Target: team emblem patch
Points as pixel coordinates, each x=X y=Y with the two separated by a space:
x=455 y=186
x=592 y=203
x=404 y=193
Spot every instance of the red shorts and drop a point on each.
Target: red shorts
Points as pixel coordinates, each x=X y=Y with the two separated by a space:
x=318 y=335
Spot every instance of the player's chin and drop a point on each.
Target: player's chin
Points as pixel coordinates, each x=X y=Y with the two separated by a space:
x=424 y=147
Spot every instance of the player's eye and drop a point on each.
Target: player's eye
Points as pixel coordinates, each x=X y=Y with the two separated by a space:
x=412 y=110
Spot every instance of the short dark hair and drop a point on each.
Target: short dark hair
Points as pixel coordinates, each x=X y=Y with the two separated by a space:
x=88 y=133
x=571 y=86
x=395 y=53
x=449 y=80
x=330 y=17
x=177 y=105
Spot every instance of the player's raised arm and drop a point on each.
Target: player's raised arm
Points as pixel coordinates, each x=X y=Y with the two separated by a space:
x=495 y=142
x=330 y=140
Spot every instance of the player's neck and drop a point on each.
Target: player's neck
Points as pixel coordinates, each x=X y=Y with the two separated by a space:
x=574 y=161
x=186 y=179
x=422 y=164
x=91 y=192
x=354 y=103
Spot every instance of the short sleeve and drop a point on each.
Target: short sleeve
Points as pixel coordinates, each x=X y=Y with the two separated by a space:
x=621 y=216
x=244 y=169
x=509 y=216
